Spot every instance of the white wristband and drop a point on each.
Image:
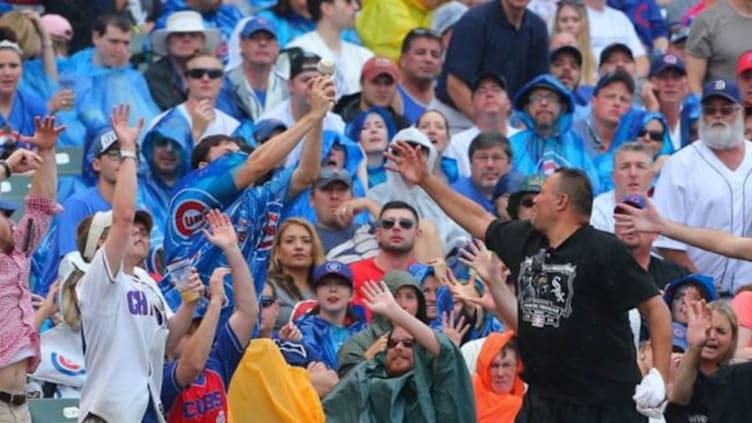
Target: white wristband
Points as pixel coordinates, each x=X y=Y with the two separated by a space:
x=125 y=154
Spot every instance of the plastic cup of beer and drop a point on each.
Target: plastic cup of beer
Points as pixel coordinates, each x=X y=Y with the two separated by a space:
x=181 y=273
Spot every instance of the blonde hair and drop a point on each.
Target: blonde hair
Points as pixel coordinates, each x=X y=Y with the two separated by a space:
x=589 y=65
x=276 y=271
x=724 y=308
x=26 y=33
x=69 y=301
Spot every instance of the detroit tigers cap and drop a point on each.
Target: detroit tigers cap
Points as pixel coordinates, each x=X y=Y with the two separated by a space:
x=667 y=61
x=723 y=88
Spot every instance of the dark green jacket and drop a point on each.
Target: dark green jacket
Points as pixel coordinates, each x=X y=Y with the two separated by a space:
x=436 y=390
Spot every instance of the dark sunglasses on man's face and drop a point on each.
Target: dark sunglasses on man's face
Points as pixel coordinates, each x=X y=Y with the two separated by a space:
x=527 y=202
x=267 y=301
x=392 y=343
x=656 y=136
x=725 y=110
x=198 y=73
x=403 y=223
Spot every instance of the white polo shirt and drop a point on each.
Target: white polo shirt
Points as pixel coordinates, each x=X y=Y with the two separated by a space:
x=696 y=189
x=124 y=325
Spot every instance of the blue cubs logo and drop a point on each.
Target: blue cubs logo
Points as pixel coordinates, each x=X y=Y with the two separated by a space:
x=65 y=366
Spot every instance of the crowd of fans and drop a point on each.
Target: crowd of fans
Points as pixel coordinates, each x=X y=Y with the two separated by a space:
x=376 y=210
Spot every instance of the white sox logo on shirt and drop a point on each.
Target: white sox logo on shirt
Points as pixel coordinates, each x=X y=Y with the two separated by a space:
x=545 y=294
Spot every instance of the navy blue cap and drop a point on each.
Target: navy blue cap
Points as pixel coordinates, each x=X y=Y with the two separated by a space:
x=612 y=48
x=616 y=76
x=331 y=268
x=724 y=88
x=257 y=24
x=103 y=140
x=263 y=129
x=573 y=50
x=7 y=207
x=498 y=78
x=667 y=61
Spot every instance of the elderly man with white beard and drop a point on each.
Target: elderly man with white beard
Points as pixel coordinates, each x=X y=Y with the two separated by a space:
x=708 y=184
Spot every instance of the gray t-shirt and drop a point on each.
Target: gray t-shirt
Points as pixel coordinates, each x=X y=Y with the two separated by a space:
x=720 y=35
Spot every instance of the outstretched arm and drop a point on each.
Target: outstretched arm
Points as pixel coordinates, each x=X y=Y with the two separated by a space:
x=699 y=322
x=44 y=182
x=380 y=300
x=413 y=168
x=273 y=152
x=223 y=235
x=193 y=360
x=124 y=199
x=648 y=220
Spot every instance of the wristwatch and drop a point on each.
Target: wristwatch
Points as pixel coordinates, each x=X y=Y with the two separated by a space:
x=124 y=154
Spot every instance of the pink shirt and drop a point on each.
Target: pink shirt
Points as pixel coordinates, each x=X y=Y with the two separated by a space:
x=742 y=305
x=17 y=330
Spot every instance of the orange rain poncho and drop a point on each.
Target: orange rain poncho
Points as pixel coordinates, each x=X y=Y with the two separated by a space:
x=490 y=406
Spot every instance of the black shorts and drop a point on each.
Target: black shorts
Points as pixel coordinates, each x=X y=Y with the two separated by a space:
x=541 y=408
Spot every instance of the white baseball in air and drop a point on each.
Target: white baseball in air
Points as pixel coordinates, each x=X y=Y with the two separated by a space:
x=325 y=67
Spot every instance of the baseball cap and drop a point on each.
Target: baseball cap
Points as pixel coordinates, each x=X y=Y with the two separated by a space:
x=263 y=129
x=574 y=51
x=745 y=62
x=104 y=140
x=103 y=220
x=304 y=62
x=681 y=35
x=378 y=65
x=721 y=88
x=7 y=207
x=498 y=78
x=327 y=175
x=667 y=61
x=705 y=283
x=57 y=26
x=679 y=335
x=446 y=15
x=332 y=268
x=616 y=76
x=257 y=24
x=613 y=48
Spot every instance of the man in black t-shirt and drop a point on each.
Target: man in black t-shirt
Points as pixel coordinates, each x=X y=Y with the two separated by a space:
x=575 y=285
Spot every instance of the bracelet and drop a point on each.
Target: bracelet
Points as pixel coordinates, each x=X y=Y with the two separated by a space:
x=6 y=167
x=126 y=154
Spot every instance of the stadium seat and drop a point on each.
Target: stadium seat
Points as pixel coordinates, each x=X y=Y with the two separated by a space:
x=62 y=410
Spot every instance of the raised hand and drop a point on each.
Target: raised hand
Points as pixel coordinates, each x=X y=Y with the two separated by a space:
x=321 y=94
x=222 y=233
x=21 y=161
x=127 y=135
x=699 y=322
x=201 y=117
x=377 y=347
x=290 y=332
x=641 y=220
x=217 y=285
x=378 y=298
x=45 y=133
x=455 y=331
x=485 y=262
x=407 y=161
x=462 y=292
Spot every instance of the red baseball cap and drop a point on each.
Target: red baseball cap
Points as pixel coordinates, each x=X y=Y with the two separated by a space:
x=745 y=62
x=376 y=66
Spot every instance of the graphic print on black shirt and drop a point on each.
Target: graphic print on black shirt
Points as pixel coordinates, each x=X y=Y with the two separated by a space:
x=546 y=291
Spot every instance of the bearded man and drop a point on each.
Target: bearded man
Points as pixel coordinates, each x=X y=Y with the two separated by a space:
x=706 y=184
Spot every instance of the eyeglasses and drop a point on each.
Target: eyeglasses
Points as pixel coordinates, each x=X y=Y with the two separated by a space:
x=548 y=98
x=392 y=343
x=725 y=110
x=403 y=223
x=198 y=73
x=267 y=301
x=656 y=136
x=112 y=153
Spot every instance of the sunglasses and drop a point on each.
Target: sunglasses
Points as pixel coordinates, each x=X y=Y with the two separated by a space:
x=527 y=202
x=198 y=73
x=725 y=110
x=267 y=301
x=392 y=343
x=656 y=136
x=403 y=223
